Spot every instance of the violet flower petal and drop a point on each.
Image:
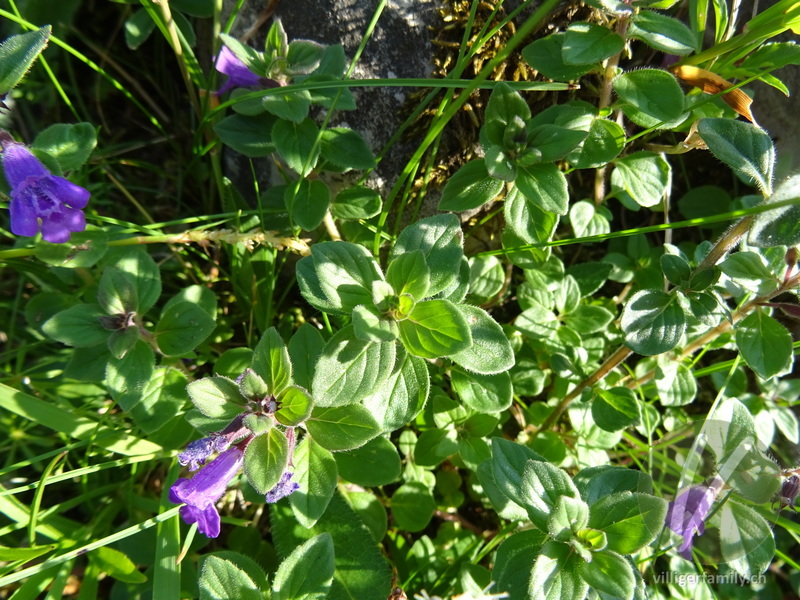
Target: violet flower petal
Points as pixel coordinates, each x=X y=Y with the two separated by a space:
x=196 y=453
x=238 y=74
x=282 y=489
x=39 y=200
x=687 y=513
x=201 y=493
x=19 y=163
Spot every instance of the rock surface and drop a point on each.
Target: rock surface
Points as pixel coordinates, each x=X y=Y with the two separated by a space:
x=400 y=46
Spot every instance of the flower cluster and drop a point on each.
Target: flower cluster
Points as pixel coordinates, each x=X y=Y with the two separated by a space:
x=40 y=201
x=200 y=494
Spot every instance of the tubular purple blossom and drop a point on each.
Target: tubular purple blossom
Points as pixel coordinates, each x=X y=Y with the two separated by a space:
x=202 y=492
x=687 y=513
x=238 y=74
x=40 y=200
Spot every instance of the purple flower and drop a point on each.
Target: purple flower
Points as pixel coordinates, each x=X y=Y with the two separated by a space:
x=40 y=200
x=238 y=74
x=282 y=489
x=198 y=451
x=202 y=492
x=687 y=513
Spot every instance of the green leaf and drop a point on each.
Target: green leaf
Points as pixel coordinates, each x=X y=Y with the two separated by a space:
x=303 y=56
x=412 y=506
x=71 y=145
x=409 y=274
x=512 y=565
x=605 y=141
x=371 y=326
x=676 y=386
x=744 y=147
x=747 y=542
x=486 y=278
x=17 y=54
x=138 y=28
x=644 y=175
x=545 y=186
x=338 y=276
x=216 y=397
x=116 y=292
x=483 y=393
x=653 y=322
x=295 y=406
x=146 y=274
x=196 y=294
x=731 y=430
x=542 y=485
x=220 y=579
x=182 y=327
x=569 y=515
x=440 y=239
x=779 y=227
x=307 y=573
x=289 y=107
x=530 y=223
x=555 y=574
x=316 y=473
x=117 y=565
x=361 y=572
x=358 y=202
x=374 y=464
x=343 y=427
x=765 y=344
x=349 y=369
x=616 y=408
x=127 y=377
x=546 y=55
x=296 y=143
x=587 y=319
x=163 y=397
x=505 y=109
x=554 y=142
x=499 y=165
x=653 y=91
x=83 y=249
x=508 y=461
x=435 y=328
x=24 y=554
x=595 y=483
x=629 y=520
x=271 y=361
x=537 y=323
x=490 y=352
x=346 y=148
x=469 y=188
x=77 y=326
x=662 y=33
x=748 y=269
x=308 y=206
x=304 y=349
x=277 y=42
x=265 y=460
x=610 y=574
x=402 y=396
x=248 y=135
x=587 y=43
